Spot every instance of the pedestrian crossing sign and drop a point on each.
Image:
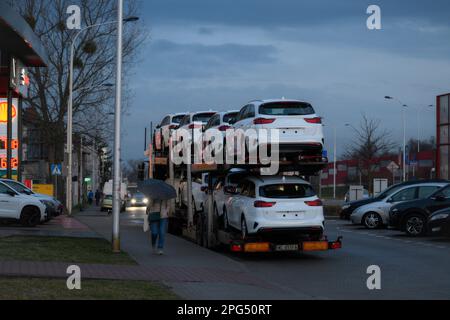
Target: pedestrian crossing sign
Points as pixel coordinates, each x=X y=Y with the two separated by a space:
x=56 y=169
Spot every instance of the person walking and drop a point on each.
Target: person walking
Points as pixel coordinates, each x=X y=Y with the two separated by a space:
x=98 y=197
x=158 y=217
x=90 y=197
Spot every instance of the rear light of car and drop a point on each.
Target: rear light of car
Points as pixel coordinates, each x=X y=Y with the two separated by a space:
x=315 y=203
x=204 y=189
x=195 y=126
x=173 y=127
x=224 y=128
x=264 y=204
x=262 y=121
x=316 y=120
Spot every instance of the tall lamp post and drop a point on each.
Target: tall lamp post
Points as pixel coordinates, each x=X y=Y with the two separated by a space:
x=404 y=106
x=70 y=109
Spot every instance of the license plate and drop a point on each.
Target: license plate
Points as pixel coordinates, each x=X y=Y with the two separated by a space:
x=292 y=131
x=289 y=247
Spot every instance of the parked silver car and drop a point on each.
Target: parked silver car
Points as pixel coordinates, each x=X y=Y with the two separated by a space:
x=376 y=215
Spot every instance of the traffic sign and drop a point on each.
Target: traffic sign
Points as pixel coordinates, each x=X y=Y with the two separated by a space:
x=392 y=167
x=56 y=169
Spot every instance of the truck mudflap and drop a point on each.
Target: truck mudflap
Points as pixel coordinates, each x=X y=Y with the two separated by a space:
x=305 y=246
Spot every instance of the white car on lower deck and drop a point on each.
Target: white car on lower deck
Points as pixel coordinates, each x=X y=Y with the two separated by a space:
x=276 y=205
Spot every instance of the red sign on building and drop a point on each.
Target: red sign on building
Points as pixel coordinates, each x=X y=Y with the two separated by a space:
x=443 y=137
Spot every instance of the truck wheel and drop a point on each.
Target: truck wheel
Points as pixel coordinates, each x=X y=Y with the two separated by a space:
x=225 y=224
x=244 y=229
x=415 y=225
x=30 y=217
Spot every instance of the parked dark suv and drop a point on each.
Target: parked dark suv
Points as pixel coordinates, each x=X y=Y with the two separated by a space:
x=412 y=217
x=439 y=223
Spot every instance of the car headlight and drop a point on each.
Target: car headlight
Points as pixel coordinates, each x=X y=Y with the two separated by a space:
x=133 y=201
x=346 y=207
x=47 y=203
x=145 y=201
x=441 y=216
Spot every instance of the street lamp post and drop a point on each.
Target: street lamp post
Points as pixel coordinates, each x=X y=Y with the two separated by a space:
x=116 y=178
x=70 y=109
x=404 y=106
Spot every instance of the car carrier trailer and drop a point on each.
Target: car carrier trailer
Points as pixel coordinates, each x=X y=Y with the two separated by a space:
x=204 y=227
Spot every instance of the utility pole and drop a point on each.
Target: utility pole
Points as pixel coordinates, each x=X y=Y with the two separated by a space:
x=117 y=132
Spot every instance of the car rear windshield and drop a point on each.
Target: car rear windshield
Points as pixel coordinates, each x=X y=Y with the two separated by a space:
x=286 y=109
x=229 y=117
x=177 y=119
x=108 y=197
x=203 y=117
x=287 y=191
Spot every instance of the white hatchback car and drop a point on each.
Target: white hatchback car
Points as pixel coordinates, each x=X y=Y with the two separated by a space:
x=27 y=209
x=376 y=215
x=272 y=205
x=300 y=128
x=165 y=129
x=224 y=189
x=199 y=192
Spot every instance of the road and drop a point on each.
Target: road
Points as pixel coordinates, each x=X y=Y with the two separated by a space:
x=411 y=268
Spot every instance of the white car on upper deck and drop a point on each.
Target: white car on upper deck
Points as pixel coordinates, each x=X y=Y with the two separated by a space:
x=300 y=128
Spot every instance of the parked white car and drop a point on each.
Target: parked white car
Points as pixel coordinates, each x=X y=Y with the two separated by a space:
x=271 y=205
x=300 y=128
x=165 y=129
x=196 y=120
x=376 y=215
x=54 y=207
x=26 y=209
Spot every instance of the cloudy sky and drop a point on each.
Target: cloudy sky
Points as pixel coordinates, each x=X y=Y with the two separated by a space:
x=218 y=54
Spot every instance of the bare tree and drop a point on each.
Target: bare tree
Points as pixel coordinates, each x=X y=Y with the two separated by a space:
x=370 y=143
x=94 y=68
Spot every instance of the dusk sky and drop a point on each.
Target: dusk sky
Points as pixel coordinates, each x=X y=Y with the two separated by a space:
x=216 y=54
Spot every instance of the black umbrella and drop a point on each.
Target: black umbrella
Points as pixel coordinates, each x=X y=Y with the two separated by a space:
x=157 y=190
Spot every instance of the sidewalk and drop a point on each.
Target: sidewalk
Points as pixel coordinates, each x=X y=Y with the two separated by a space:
x=61 y=226
x=193 y=272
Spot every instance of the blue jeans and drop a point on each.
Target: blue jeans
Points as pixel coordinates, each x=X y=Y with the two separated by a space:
x=159 y=229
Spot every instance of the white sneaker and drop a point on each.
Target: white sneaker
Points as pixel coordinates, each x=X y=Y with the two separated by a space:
x=161 y=252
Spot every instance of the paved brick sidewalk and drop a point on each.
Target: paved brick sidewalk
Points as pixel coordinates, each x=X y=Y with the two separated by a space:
x=138 y=273
x=61 y=226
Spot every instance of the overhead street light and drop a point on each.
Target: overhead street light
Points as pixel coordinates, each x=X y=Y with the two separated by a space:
x=70 y=106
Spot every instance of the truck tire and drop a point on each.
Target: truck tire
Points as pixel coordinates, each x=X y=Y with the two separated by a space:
x=30 y=217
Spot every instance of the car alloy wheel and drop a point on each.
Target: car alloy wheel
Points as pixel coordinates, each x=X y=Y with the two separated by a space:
x=372 y=220
x=415 y=226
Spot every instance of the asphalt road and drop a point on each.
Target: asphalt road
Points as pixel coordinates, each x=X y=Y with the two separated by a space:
x=410 y=268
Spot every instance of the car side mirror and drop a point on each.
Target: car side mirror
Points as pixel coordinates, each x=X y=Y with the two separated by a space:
x=440 y=198
x=231 y=190
x=11 y=193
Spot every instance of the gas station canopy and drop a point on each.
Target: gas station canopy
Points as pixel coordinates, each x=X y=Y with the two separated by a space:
x=17 y=37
